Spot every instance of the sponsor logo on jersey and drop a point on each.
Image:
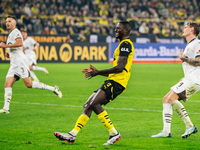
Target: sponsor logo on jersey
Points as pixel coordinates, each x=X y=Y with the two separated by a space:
x=124 y=49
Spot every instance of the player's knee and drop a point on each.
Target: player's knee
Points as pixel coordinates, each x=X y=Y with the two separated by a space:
x=85 y=105
x=166 y=99
x=31 y=68
x=94 y=106
x=29 y=85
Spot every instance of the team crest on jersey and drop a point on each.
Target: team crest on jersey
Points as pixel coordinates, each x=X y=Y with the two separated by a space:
x=198 y=52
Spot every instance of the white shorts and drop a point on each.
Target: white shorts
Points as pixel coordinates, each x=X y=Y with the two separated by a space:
x=185 y=89
x=18 y=71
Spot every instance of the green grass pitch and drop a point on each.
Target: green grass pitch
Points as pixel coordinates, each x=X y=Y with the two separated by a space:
x=136 y=114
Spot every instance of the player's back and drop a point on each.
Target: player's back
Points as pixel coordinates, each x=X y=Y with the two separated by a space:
x=29 y=44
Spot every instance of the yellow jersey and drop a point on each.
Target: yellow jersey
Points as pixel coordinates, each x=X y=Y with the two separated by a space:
x=125 y=48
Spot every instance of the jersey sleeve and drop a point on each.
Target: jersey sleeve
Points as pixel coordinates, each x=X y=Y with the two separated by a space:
x=17 y=34
x=125 y=49
x=32 y=41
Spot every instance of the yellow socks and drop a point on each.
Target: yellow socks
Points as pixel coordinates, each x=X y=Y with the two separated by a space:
x=106 y=122
x=82 y=120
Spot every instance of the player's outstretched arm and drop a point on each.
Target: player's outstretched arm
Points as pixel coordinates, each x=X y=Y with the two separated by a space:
x=18 y=43
x=2 y=44
x=91 y=68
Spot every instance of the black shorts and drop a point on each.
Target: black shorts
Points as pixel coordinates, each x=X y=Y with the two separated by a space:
x=112 y=89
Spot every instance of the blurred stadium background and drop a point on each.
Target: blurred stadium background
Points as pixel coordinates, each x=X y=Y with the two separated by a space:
x=74 y=33
x=87 y=27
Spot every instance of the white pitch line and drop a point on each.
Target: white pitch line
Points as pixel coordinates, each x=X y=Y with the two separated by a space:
x=125 y=97
x=131 y=109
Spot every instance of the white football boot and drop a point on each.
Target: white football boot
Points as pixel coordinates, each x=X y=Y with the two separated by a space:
x=162 y=134
x=68 y=137
x=57 y=91
x=3 y=111
x=113 y=139
x=189 y=131
x=45 y=71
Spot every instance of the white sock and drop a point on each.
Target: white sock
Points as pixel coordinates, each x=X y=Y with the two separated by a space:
x=7 y=98
x=38 y=68
x=73 y=132
x=39 y=85
x=167 y=117
x=179 y=108
x=114 y=131
x=33 y=75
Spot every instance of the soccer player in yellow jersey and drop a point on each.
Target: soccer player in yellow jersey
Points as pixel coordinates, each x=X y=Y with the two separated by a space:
x=115 y=84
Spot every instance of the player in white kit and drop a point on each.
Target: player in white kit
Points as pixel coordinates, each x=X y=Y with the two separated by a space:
x=187 y=86
x=30 y=47
x=18 y=65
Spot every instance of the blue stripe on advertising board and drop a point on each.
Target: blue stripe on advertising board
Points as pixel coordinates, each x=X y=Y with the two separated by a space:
x=153 y=52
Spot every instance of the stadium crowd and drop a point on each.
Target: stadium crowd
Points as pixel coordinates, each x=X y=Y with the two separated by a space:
x=84 y=17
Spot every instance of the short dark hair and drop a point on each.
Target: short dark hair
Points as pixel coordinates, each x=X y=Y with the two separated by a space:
x=10 y=16
x=196 y=27
x=126 y=25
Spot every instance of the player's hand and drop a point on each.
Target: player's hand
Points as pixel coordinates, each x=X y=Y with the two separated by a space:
x=91 y=72
x=7 y=55
x=2 y=44
x=181 y=56
x=85 y=70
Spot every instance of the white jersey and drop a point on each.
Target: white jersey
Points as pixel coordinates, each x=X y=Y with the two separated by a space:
x=16 y=54
x=29 y=44
x=191 y=51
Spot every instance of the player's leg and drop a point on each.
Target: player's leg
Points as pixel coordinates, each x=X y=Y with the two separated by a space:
x=8 y=94
x=80 y=123
x=179 y=91
x=169 y=101
x=40 y=69
x=100 y=99
x=32 y=61
x=93 y=104
x=39 y=85
x=190 y=128
x=167 y=115
x=107 y=92
x=33 y=75
x=185 y=89
x=33 y=65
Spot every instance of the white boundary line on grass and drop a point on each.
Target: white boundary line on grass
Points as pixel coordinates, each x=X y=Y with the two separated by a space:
x=72 y=96
x=131 y=109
